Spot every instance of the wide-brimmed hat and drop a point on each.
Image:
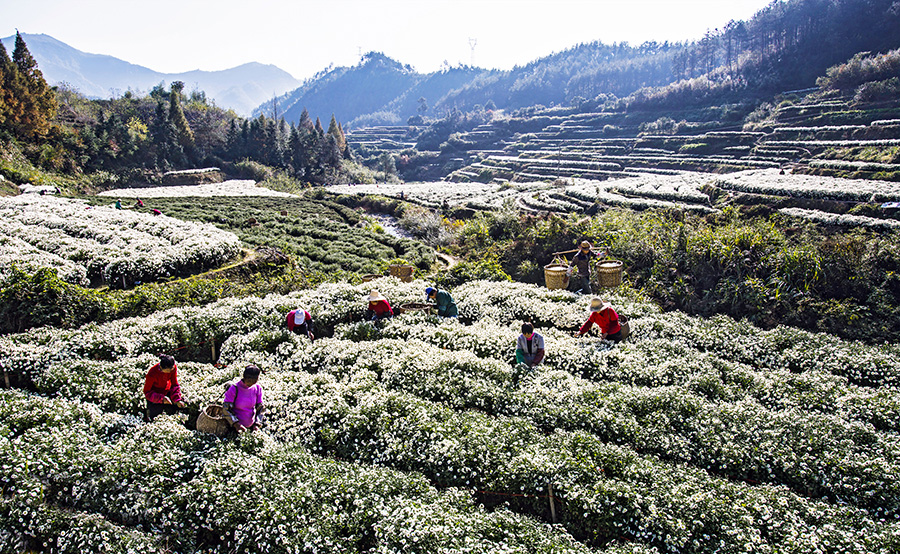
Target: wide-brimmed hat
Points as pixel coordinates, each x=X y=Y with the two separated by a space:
x=375 y=296
x=598 y=305
x=585 y=244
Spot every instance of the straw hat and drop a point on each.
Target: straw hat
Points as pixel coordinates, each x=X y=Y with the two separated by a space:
x=585 y=244
x=375 y=296
x=598 y=305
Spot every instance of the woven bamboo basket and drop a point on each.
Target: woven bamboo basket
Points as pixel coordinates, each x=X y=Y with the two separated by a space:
x=414 y=307
x=609 y=273
x=370 y=277
x=212 y=420
x=555 y=276
x=403 y=272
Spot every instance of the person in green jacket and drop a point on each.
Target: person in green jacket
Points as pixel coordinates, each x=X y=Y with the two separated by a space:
x=446 y=307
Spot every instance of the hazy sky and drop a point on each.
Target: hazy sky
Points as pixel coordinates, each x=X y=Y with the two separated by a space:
x=305 y=36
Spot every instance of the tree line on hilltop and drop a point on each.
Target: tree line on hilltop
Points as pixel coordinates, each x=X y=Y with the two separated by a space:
x=785 y=46
x=138 y=136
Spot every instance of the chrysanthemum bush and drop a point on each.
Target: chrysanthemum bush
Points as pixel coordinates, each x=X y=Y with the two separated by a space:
x=109 y=244
x=200 y=494
x=692 y=436
x=772 y=182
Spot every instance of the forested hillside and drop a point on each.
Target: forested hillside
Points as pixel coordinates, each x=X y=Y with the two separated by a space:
x=133 y=139
x=785 y=46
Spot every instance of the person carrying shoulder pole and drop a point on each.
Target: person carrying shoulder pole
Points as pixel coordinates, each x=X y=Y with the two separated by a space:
x=582 y=261
x=446 y=307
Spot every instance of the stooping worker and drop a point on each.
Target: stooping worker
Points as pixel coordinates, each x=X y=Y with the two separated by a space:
x=161 y=388
x=529 y=350
x=379 y=308
x=606 y=319
x=300 y=321
x=446 y=307
x=243 y=401
x=582 y=261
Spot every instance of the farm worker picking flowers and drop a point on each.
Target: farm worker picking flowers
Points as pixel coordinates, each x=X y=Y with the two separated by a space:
x=582 y=261
x=161 y=388
x=446 y=307
x=244 y=401
x=529 y=351
x=606 y=319
x=300 y=321
x=379 y=308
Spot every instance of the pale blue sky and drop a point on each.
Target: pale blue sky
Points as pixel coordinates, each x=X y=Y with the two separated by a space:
x=305 y=36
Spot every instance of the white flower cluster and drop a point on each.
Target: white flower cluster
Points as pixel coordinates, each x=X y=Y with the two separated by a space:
x=844 y=220
x=108 y=244
x=751 y=440
x=808 y=186
x=849 y=165
x=232 y=187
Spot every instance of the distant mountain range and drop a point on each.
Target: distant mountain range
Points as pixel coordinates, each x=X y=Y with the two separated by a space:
x=785 y=46
x=240 y=88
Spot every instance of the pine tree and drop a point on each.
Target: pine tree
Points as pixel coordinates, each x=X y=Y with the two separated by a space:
x=305 y=124
x=176 y=116
x=8 y=96
x=37 y=103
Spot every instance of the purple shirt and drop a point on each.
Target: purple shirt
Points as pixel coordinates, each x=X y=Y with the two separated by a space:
x=245 y=400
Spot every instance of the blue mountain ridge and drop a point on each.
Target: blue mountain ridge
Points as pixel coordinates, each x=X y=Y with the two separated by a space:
x=240 y=88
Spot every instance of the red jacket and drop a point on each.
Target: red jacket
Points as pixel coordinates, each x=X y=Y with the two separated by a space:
x=159 y=384
x=381 y=308
x=607 y=320
x=290 y=319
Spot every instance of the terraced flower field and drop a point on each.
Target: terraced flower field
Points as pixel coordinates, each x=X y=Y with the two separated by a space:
x=695 y=435
x=692 y=191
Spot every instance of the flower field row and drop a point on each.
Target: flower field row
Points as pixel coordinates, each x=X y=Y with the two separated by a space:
x=110 y=245
x=843 y=220
x=320 y=235
x=679 y=190
x=200 y=494
x=807 y=186
x=659 y=395
x=233 y=187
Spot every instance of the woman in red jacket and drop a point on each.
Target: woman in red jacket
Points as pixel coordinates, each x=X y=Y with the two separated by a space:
x=606 y=319
x=379 y=308
x=161 y=388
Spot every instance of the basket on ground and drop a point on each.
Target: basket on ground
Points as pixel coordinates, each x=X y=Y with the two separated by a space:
x=555 y=276
x=609 y=273
x=404 y=272
x=414 y=307
x=212 y=420
x=370 y=277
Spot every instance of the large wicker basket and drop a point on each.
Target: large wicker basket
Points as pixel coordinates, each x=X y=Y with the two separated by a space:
x=414 y=307
x=609 y=273
x=213 y=421
x=555 y=275
x=404 y=272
